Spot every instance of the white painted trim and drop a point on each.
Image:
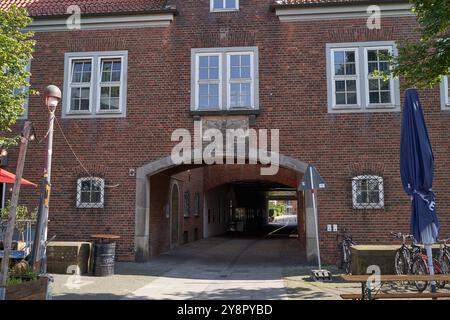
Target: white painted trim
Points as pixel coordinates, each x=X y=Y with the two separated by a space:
x=364 y=107
x=212 y=9
x=339 y=12
x=70 y=86
x=24 y=115
x=445 y=99
x=93 y=112
x=366 y=80
x=252 y=79
x=99 y=86
x=106 y=22
x=224 y=65
x=197 y=80
x=335 y=78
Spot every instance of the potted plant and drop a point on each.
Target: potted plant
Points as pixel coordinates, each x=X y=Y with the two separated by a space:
x=24 y=283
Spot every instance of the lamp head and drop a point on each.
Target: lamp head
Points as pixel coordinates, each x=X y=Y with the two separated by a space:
x=52 y=96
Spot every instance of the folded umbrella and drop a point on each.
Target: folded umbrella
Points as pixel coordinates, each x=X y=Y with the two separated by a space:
x=8 y=177
x=417 y=170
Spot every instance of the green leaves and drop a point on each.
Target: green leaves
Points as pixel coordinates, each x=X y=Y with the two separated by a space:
x=16 y=47
x=423 y=63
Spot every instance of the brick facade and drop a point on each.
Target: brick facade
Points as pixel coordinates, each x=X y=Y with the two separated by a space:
x=293 y=98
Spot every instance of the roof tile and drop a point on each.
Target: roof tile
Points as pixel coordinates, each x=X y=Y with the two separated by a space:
x=38 y=8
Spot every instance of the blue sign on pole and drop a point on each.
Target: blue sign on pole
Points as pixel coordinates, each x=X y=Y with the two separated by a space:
x=312 y=180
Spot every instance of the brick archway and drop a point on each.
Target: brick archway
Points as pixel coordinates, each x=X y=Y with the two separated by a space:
x=142 y=213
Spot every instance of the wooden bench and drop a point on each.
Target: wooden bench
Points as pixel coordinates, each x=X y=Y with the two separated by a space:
x=406 y=295
x=368 y=294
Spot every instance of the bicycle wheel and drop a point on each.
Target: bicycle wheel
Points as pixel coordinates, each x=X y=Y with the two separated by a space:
x=401 y=262
x=348 y=265
x=419 y=267
x=438 y=270
x=445 y=264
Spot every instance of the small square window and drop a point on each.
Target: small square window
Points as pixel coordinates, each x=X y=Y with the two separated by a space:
x=90 y=192
x=224 y=5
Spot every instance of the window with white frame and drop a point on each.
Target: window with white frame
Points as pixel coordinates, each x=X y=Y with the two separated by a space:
x=353 y=84
x=25 y=91
x=80 y=85
x=379 y=90
x=445 y=93
x=368 y=192
x=224 y=5
x=345 y=77
x=224 y=79
x=95 y=84
x=90 y=192
x=209 y=81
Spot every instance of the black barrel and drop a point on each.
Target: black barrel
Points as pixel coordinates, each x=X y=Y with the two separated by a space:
x=104 y=256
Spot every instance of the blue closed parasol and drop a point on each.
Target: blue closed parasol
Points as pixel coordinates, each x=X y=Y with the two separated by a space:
x=417 y=170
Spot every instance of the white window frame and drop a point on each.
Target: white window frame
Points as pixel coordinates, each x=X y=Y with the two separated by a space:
x=198 y=82
x=223 y=9
x=368 y=206
x=24 y=115
x=368 y=77
x=355 y=77
x=445 y=95
x=80 y=85
x=109 y=84
x=224 y=75
x=87 y=205
x=94 y=102
x=362 y=83
x=251 y=80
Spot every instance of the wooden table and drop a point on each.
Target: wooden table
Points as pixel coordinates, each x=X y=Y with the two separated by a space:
x=104 y=238
x=366 y=292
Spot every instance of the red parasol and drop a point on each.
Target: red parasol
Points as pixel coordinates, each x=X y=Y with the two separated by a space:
x=8 y=177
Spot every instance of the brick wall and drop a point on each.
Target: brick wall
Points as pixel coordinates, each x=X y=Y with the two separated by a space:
x=292 y=98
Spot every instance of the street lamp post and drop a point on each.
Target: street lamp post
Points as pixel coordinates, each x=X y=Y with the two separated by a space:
x=52 y=97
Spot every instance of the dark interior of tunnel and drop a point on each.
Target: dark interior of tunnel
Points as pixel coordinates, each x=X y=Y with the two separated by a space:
x=249 y=213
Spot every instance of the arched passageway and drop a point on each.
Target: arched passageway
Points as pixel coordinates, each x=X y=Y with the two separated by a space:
x=204 y=201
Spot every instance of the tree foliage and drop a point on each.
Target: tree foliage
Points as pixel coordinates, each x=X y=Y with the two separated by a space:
x=16 y=47
x=424 y=62
x=277 y=209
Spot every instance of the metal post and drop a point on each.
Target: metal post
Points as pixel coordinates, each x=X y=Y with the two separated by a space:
x=12 y=212
x=429 y=250
x=314 y=199
x=316 y=222
x=39 y=247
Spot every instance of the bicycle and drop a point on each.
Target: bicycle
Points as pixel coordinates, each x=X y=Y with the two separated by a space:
x=444 y=256
x=346 y=253
x=411 y=260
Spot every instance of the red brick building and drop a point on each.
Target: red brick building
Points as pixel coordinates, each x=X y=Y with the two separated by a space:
x=134 y=71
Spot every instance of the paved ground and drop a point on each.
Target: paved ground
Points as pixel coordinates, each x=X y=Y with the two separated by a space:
x=215 y=268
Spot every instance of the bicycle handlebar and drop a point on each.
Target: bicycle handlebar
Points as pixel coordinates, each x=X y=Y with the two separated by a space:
x=402 y=236
x=444 y=241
